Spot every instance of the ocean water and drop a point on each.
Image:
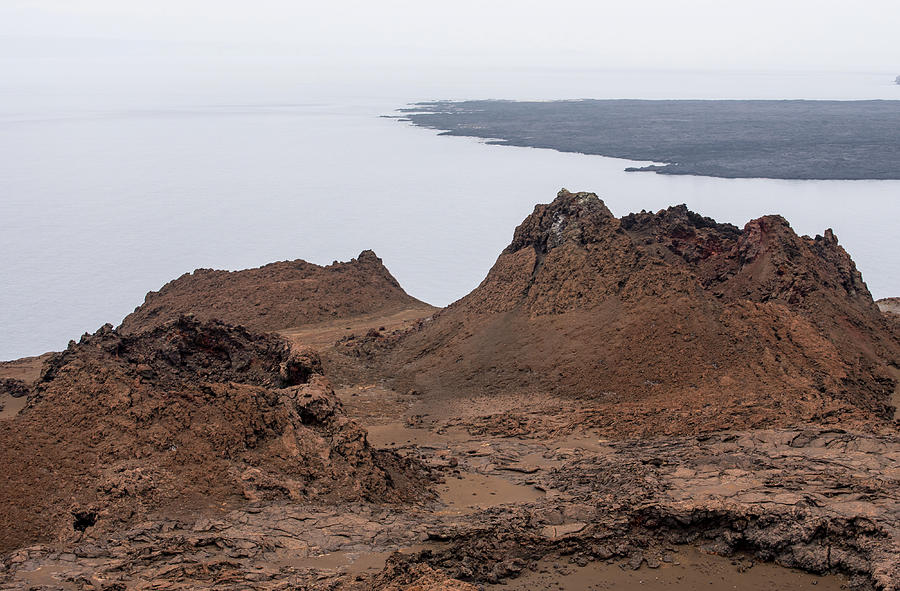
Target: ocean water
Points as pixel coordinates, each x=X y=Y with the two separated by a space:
x=113 y=182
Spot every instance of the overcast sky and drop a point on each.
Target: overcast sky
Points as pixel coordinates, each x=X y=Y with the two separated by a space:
x=670 y=34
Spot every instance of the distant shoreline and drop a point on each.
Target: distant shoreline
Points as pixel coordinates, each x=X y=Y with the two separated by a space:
x=775 y=139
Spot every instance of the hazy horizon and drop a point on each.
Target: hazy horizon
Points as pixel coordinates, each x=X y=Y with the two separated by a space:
x=700 y=34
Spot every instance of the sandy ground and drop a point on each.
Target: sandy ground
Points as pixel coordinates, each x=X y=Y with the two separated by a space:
x=10 y=407
x=27 y=369
x=324 y=335
x=683 y=568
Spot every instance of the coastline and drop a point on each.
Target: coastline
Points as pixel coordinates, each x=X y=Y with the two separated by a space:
x=734 y=139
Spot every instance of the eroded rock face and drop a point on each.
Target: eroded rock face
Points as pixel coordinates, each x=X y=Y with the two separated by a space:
x=191 y=416
x=662 y=311
x=276 y=296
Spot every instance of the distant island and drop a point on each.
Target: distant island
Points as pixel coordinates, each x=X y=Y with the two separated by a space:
x=897 y=80
x=783 y=139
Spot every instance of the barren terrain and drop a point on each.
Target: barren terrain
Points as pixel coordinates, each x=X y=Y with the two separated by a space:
x=657 y=402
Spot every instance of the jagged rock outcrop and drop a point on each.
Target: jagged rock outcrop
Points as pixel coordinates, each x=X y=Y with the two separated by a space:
x=665 y=322
x=189 y=417
x=276 y=296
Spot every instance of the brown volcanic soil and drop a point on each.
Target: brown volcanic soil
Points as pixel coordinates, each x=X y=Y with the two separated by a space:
x=188 y=418
x=665 y=323
x=276 y=296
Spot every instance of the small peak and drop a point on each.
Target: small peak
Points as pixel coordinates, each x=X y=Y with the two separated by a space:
x=770 y=222
x=368 y=256
x=571 y=217
x=762 y=229
x=564 y=197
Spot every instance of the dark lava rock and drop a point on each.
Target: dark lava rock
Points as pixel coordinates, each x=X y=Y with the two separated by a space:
x=13 y=387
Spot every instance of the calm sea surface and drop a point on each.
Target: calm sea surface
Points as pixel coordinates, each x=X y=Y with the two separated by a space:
x=113 y=184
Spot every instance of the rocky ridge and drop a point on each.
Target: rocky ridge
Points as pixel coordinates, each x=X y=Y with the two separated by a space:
x=276 y=296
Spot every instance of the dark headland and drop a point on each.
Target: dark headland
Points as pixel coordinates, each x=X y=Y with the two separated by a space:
x=783 y=139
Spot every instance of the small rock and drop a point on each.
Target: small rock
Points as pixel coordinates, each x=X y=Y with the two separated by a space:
x=636 y=560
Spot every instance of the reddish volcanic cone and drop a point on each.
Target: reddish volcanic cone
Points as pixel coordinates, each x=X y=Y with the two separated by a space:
x=665 y=322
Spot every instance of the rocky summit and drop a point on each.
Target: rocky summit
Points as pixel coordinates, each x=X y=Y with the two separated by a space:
x=665 y=323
